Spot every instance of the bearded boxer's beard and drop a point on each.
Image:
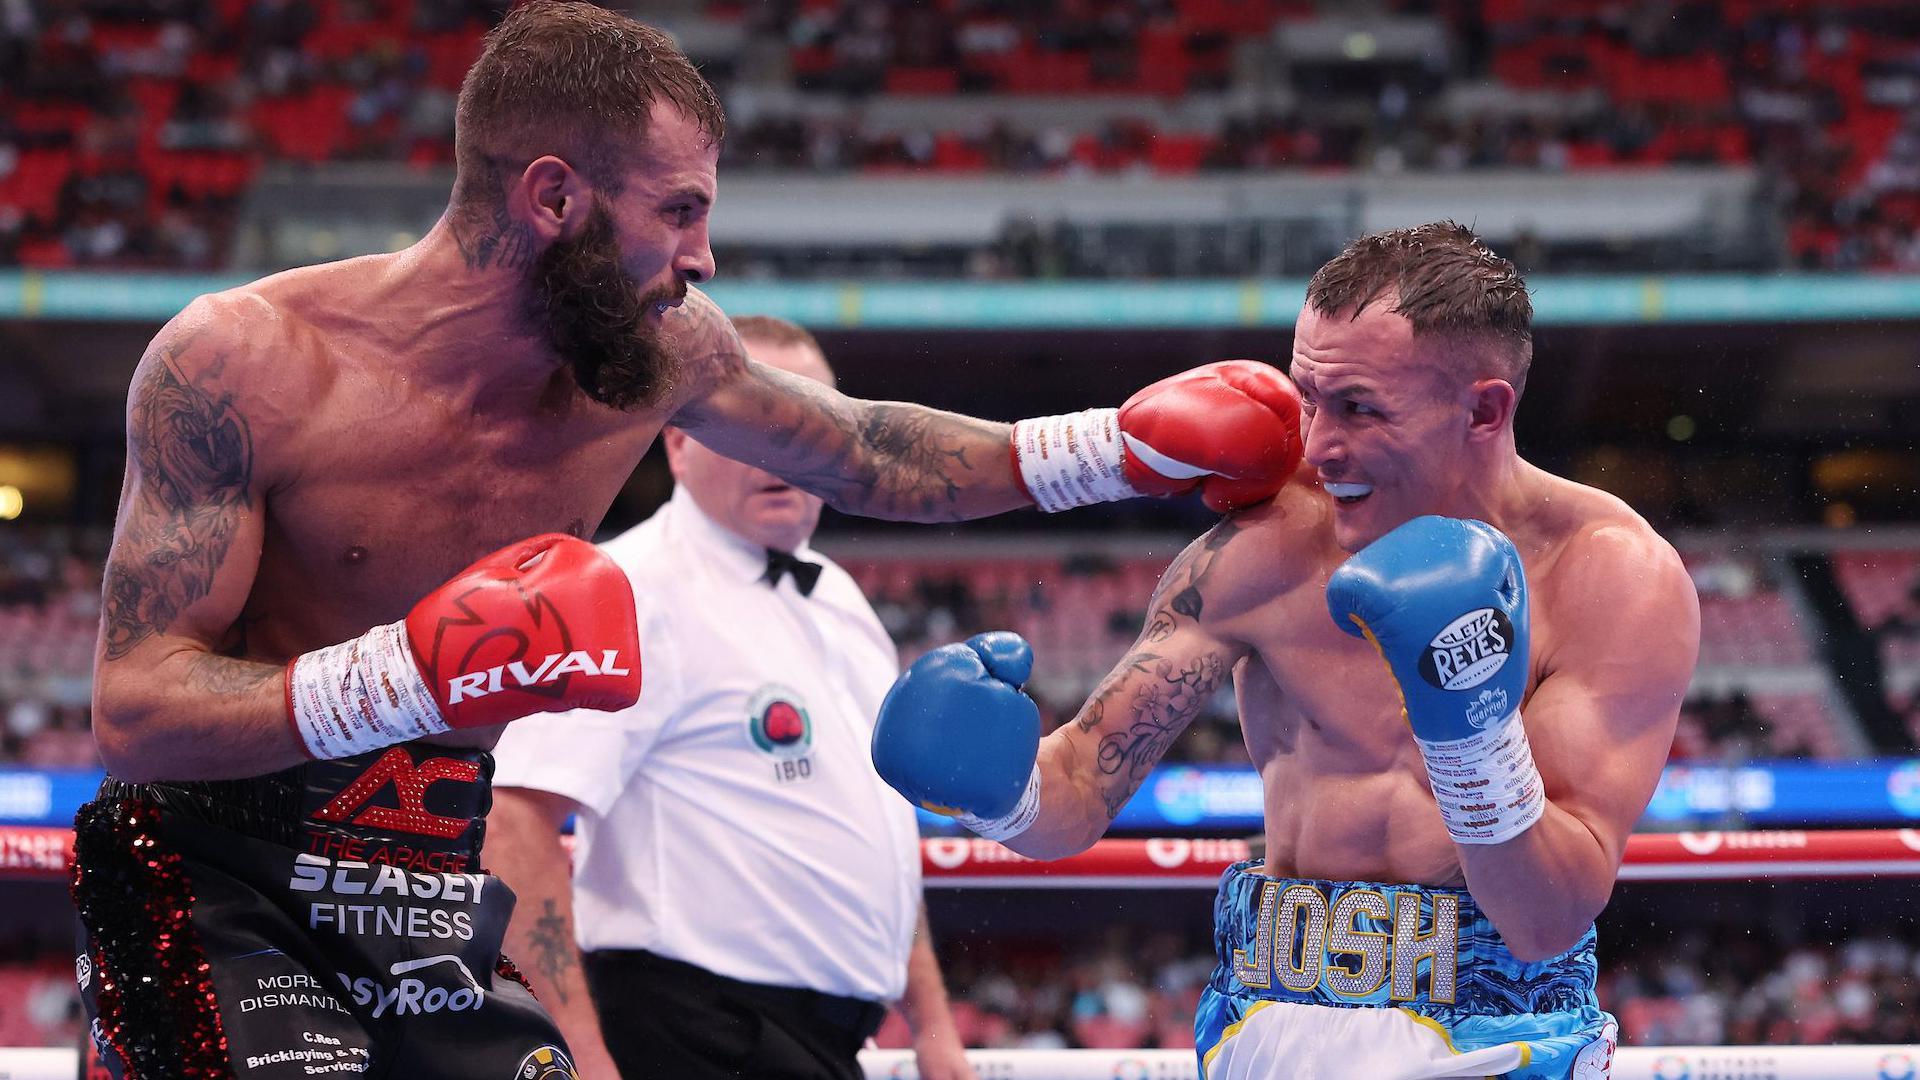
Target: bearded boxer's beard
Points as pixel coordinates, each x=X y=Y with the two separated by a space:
x=594 y=316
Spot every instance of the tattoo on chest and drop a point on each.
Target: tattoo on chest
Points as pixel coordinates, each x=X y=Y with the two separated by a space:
x=192 y=452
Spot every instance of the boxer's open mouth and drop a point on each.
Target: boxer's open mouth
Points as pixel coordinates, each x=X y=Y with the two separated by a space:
x=1347 y=493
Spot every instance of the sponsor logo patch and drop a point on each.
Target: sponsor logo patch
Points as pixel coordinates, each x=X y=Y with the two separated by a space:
x=409 y=781
x=1488 y=709
x=546 y=1063
x=414 y=997
x=780 y=727
x=550 y=670
x=1469 y=650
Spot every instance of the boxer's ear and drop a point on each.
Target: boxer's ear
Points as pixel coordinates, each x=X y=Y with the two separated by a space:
x=675 y=442
x=555 y=198
x=1490 y=405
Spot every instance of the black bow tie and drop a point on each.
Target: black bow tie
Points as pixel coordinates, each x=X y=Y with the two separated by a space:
x=805 y=574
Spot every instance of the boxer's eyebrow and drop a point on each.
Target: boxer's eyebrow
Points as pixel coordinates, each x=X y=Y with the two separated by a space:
x=1346 y=389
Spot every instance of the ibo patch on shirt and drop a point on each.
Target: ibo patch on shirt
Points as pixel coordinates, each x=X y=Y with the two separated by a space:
x=780 y=728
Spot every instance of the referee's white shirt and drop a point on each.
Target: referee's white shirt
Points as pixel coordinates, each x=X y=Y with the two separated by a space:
x=733 y=819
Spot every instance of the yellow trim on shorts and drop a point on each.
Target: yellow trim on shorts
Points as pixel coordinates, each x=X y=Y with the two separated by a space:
x=1232 y=1030
x=1526 y=1049
x=1435 y=1025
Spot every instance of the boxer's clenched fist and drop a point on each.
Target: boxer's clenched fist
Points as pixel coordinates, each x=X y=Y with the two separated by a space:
x=957 y=736
x=1230 y=430
x=543 y=625
x=1444 y=600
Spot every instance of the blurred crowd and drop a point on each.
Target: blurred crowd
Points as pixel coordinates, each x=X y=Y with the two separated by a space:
x=1081 y=612
x=1137 y=986
x=1740 y=985
x=49 y=615
x=1726 y=986
x=130 y=130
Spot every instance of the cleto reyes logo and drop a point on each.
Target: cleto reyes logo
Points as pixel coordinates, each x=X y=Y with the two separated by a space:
x=517 y=675
x=1469 y=650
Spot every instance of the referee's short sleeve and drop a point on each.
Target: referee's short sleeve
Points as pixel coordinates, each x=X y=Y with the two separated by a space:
x=588 y=755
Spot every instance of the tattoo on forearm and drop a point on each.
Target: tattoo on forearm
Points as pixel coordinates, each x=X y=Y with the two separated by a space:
x=193 y=455
x=886 y=460
x=1096 y=710
x=1158 y=711
x=227 y=676
x=553 y=948
x=876 y=459
x=1152 y=694
x=916 y=459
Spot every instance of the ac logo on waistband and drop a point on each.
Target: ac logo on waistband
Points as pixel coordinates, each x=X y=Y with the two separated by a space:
x=778 y=724
x=410 y=781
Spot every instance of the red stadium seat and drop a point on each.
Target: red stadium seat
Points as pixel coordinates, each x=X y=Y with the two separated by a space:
x=930 y=81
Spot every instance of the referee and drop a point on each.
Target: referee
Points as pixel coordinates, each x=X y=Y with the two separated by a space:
x=746 y=890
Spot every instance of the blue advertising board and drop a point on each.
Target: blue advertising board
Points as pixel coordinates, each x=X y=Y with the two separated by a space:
x=1216 y=798
x=1225 y=798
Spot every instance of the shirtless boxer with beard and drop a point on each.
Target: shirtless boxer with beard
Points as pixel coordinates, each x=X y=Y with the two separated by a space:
x=1433 y=865
x=280 y=877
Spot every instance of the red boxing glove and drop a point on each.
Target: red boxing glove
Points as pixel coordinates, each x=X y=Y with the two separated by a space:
x=1230 y=428
x=543 y=625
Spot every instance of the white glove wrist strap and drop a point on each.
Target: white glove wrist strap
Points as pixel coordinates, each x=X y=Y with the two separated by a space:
x=361 y=695
x=1014 y=822
x=1073 y=459
x=1487 y=786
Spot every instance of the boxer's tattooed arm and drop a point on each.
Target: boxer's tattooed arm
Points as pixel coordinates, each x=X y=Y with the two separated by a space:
x=877 y=459
x=227 y=676
x=553 y=948
x=190 y=469
x=1155 y=710
x=1181 y=595
x=1155 y=692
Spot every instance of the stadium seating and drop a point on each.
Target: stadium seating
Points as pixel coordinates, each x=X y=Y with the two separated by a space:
x=202 y=98
x=1082 y=612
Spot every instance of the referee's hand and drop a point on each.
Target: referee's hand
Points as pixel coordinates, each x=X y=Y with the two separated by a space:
x=939 y=1056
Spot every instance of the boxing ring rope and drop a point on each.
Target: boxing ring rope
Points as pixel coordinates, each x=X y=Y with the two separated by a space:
x=1629 y=1063
x=29 y=853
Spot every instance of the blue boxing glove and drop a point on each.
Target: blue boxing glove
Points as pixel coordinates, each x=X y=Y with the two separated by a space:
x=957 y=736
x=1445 y=602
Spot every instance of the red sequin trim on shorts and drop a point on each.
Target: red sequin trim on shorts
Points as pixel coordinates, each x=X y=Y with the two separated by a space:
x=157 y=1007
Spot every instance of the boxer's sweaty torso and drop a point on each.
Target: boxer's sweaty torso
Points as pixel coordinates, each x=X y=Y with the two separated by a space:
x=335 y=916
x=384 y=484
x=1347 y=796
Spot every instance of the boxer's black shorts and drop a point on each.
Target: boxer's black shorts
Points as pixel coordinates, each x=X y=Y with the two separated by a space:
x=331 y=920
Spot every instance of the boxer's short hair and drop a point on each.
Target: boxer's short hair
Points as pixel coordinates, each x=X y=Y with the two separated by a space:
x=772 y=330
x=1445 y=281
x=778 y=332
x=576 y=81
